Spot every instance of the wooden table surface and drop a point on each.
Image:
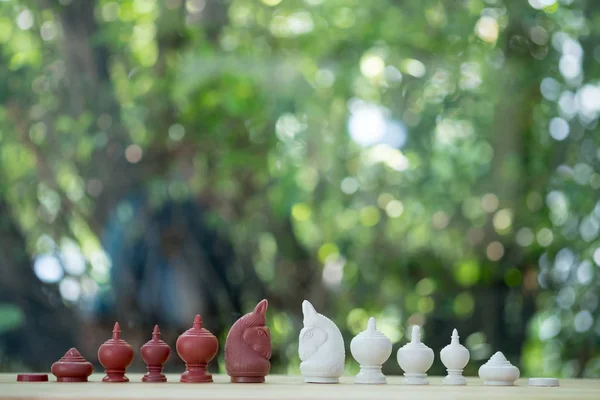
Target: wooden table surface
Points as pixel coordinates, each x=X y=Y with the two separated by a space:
x=289 y=387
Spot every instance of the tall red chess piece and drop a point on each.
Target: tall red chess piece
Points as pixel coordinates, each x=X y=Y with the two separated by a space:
x=155 y=353
x=197 y=346
x=115 y=355
x=72 y=367
x=248 y=347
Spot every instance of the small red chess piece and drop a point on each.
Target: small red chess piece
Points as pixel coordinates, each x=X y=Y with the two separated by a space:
x=248 y=347
x=115 y=355
x=72 y=367
x=155 y=353
x=197 y=346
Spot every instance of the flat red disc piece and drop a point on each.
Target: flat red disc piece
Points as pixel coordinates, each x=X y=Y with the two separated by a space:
x=32 y=378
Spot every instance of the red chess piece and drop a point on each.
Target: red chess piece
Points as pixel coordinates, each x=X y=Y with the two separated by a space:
x=155 y=353
x=115 y=355
x=248 y=347
x=197 y=346
x=72 y=367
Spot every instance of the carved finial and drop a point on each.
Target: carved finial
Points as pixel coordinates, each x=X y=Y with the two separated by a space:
x=198 y=322
x=116 y=332
x=156 y=333
x=371 y=326
x=455 y=337
x=415 y=336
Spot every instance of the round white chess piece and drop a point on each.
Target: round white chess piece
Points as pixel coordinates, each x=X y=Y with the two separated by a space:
x=371 y=349
x=321 y=348
x=454 y=357
x=415 y=359
x=498 y=371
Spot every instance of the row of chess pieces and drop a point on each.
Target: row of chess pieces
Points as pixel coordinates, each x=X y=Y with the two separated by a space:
x=248 y=350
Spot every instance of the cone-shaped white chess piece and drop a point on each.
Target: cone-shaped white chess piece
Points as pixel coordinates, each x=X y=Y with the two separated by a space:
x=498 y=371
x=415 y=359
x=371 y=349
x=455 y=357
x=321 y=348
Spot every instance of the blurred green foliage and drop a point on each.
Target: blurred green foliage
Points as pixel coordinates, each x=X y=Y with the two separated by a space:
x=426 y=162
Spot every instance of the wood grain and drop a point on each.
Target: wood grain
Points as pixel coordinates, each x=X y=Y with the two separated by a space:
x=288 y=387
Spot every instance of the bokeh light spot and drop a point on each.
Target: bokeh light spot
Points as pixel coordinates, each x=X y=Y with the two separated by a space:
x=467 y=273
x=301 y=212
x=464 y=304
x=494 y=251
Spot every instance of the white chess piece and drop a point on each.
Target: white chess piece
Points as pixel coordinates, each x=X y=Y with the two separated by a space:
x=371 y=349
x=498 y=371
x=321 y=348
x=415 y=359
x=454 y=357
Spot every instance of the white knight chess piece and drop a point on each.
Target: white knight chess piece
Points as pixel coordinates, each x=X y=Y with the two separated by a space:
x=321 y=348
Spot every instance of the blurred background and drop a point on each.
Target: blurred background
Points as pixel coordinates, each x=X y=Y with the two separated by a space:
x=424 y=162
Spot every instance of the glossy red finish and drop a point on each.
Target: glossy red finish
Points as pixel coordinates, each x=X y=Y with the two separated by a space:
x=197 y=347
x=155 y=353
x=115 y=355
x=72 y=367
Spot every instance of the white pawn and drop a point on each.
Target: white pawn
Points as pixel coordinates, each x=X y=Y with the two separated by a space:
x=415 y=359
x=371 y=349
x=498 y=371
x=321 y=348
x=455 y=357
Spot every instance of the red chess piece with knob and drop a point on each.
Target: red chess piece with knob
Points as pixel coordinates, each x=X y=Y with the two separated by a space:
x=248 y=347
x=197 y=346
x=155 y=353
x=115 y=355
x=72 y=367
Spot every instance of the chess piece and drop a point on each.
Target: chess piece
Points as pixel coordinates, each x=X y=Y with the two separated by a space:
x=115 y=355
x=196 y=347
x=454 y=357
x=498 y=371
x=248 y=347
x=155 y=353
x=415 y=359
x=321 y=348
x=543 y=382
x=32 y=378
x=72 y=367
x=371 y=349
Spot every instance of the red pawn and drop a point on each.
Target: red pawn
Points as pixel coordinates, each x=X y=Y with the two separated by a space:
x=248 y=347
x=72 y=367
x=115 y=355
x=197 y=346
x=155 y=353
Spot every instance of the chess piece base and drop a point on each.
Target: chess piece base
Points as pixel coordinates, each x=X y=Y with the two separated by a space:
x=370 y=376
x=72 y=379
x=498 y=383
x=196 y=374
x=247 y=379
x=454 y=378
x=154 y=378
x=115 y=375
x=415 y=379
x=321 y=379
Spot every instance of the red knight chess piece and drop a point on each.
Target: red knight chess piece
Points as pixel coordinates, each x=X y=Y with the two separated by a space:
x=197 y=346
x=115 y=355
x=248 y=347
x=155 y=353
